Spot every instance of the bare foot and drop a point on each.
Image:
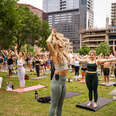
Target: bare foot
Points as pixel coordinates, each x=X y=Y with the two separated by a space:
x=22 y=88
x=95 y=105
x=89 y=104
x=82 y=81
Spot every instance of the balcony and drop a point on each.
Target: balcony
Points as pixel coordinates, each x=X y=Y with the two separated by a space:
x=94 y=35
x=93 y=40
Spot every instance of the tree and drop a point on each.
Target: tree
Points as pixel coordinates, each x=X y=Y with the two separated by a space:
x=28 y=49
x=7 y=22
x=45 y=32
x=27 y=28
x=103 y=48
x=20 y=26
x=84 y=50
x=30 y=29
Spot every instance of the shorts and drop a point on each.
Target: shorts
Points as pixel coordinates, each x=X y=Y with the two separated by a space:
x=73 y=66
x=10 y=67
x=106 y=71
x=83 y=69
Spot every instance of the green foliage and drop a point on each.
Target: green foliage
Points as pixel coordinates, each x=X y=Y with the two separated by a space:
x=45 y=32
x=7 y=22
x=27 y=28
x=103 y=48
x=84 y=50
x=20 y=26
x=29 y=49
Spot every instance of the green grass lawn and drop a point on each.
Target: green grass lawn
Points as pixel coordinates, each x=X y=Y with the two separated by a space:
x=24 y=104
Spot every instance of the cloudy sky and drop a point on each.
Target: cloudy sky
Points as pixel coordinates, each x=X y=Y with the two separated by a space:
x=102 y=9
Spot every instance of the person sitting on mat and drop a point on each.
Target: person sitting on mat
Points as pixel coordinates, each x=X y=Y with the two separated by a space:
x=56 y=46
x=91 y=75
x=106 y=70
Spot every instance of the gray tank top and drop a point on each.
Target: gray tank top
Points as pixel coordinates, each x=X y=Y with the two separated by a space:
x=63 y=66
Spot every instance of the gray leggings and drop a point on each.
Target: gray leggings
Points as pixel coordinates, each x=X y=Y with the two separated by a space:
x=21 y=76
x=58 y=91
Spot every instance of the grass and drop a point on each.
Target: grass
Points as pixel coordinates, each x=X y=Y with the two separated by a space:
x=24 y=104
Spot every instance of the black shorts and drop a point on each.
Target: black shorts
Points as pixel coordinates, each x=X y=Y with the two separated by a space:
x=73 y=66
x=83 y=69
x=106 y=71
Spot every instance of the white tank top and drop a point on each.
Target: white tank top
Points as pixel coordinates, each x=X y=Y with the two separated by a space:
x=20 y=62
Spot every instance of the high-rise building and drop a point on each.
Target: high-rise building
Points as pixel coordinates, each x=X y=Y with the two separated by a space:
x=69 y=17
x=113 y=14
x=58 y=5
x=90 y=14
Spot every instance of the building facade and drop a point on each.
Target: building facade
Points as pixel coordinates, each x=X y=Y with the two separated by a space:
x=93 y=37
x=40 y=13
x=113 y=14
x=59 y=5
x=69 y=17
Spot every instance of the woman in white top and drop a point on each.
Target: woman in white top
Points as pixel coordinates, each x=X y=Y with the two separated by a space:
x=21 y=69
x=76 y=66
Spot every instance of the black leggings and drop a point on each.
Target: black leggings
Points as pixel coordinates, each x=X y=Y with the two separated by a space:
x=115 y=72
x=38 y=70
x=92 y=85
x=77 y=70
x=52 y=70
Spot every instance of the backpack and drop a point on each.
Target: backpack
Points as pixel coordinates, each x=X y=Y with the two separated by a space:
x=26 y=77
x=42 y=99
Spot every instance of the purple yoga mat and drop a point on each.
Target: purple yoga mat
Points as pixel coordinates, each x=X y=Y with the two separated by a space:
x=71 y=94
x=28 y=88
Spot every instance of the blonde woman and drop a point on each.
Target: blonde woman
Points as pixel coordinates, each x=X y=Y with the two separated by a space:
x=91 y=75
x=56 y=46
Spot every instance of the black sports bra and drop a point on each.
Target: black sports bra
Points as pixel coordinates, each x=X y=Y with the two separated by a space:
x=91 y=67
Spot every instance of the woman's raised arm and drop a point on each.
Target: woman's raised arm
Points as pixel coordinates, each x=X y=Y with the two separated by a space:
x=114 y=51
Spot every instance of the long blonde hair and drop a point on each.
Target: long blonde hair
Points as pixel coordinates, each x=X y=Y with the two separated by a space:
x=60 y=45
x=59 y=53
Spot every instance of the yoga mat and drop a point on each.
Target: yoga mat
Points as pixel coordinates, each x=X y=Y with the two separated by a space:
x=28 y=88
x=1 y=79
x=36 y=78
x=101 y=103
x=109 y=79
x=113 y=92
x=71 y=94
x=110 y=84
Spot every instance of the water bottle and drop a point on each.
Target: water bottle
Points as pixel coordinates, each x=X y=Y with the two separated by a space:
x=36 y=95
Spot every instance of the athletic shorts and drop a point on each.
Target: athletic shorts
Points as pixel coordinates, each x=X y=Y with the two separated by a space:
x=10 y=66
x=83 y=69
x=73 y=66
x=106 y=71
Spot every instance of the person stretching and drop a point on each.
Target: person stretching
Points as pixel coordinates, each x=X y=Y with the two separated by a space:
x=91 y=75
x=106 y=70
x=56 y=47
x=21 y=69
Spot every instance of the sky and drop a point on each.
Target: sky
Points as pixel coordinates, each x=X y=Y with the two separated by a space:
x=102 y=9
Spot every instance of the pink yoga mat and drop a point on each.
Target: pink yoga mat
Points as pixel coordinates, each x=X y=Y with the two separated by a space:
x=28 y=88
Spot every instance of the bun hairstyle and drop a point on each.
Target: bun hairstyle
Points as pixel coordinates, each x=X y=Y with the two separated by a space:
x=92 y=51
